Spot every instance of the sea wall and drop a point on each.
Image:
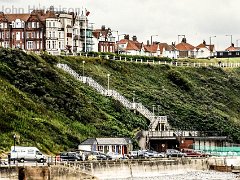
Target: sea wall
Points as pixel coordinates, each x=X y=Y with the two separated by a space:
x=121 y=169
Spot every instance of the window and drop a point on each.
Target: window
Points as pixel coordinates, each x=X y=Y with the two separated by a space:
x=29 y=25
x=33 y=24
x=29 y=45
x=50 y=34
x=50 y=24
x=48 y=45
x=59 y=45
x=53 y=34
x=229 y=53
x=37 y=25
x=237 y=53
x=53 y=24
x=100 y=148
x=221 y=53
x=54 y=44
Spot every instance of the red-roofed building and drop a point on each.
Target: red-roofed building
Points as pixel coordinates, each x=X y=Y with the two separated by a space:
x=185 y=49
x=161 y=50
x=103 y=40
x=131 y=47
x=205 y=51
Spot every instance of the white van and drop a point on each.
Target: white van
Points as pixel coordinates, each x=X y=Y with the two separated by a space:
x=21 y=154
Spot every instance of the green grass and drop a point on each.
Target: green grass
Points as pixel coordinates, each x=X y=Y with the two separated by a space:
x=49 y=109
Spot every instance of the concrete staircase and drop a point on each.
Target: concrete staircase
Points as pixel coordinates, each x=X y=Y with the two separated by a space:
x=154 y=120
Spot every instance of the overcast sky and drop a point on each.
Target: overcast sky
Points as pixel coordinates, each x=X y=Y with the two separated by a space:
x=196 y=19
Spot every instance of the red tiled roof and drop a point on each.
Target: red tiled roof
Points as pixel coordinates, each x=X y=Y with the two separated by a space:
x=184 y=47
x=166 y=47
x=132 y=46
x=13 y=17
x=231 y=48
x=211 y=47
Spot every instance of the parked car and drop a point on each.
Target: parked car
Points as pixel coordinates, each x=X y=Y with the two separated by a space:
x=133 y=154
x=174 y=153
x=101 y=156
x=204 y=154
x=155 y=154
x=192 y=153
x=114 y=155
x=70 y=156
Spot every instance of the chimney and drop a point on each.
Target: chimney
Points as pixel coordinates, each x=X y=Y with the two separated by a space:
x=126 y=37
x=232 y=45
x=204 y=42
x=134 y=38
x=184 y=40
x=148 y=43
x=173 y=44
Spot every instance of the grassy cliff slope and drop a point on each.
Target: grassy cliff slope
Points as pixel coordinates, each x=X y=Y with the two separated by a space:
x=49 y=109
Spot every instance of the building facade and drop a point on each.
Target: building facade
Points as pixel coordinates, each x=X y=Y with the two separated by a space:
x=51 y=31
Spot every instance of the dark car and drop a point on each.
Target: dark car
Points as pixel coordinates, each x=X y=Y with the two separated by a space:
x=193 y=153
x=70 y=156
x=174 y=153
x=102 y=156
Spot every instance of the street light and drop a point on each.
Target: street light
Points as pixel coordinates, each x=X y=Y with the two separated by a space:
x=118 y=40
x=210 y=39
x=153 y=109
x=231 y=38
x=151 y=38
x=237 y=42
x=83 y=67
x=108 y=75
x=180 y=36
x=14 y=142
x=14 y=145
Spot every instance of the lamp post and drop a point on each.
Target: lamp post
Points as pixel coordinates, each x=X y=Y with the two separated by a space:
x=237 y=42
x=108 y=75
x=153 y=110
x=210 y=40
x=118 y=40
x=14 y=141
x=180 y=36
x=152 y=39
x=83 y=67
x=14 y=145
x=231 y=37
x=133 y=97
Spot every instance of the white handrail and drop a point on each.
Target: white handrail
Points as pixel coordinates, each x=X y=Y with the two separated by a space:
x=154 y=120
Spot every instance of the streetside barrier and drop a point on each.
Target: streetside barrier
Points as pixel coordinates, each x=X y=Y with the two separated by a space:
x=175 y=63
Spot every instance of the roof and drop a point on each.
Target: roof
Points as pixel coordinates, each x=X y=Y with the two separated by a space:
x=107 y=141
x=131 y=45
x=166 y=47
x=113 y=141
x=202 y=45
x=232 y=48
x=13 y=17
x=89 y=141
x=184 y=46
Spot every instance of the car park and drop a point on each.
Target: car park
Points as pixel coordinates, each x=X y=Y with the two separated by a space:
x=174 y=153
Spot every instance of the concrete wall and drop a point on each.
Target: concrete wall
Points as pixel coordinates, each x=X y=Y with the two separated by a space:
x=145 y=168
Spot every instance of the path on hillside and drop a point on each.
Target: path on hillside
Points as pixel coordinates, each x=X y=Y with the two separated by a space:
x=154 y=120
